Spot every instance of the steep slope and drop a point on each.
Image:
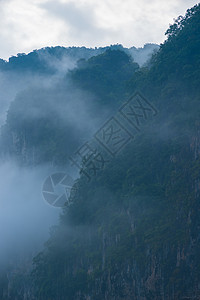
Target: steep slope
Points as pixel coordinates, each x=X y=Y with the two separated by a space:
x=132 y=232
x=44 y=125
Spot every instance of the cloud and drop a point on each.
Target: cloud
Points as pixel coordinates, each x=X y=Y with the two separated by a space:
x=77 y=17
x=26 y=25
x=80 y=22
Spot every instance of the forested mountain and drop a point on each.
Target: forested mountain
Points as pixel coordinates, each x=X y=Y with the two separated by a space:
x=35 y=121
x=50 y=59
x=131 y=230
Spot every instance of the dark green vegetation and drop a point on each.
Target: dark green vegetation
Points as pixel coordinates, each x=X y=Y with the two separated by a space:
x=48 y=60
x=46 y=129
x=132 y=232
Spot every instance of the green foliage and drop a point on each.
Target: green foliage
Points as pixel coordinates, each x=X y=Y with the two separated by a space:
x=140 y=205
x=110 y=70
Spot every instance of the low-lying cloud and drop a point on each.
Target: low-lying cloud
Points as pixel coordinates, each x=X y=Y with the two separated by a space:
x=25 y=217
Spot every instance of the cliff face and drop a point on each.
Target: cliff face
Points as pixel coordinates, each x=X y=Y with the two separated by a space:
x=169 y=270
x=136 y=241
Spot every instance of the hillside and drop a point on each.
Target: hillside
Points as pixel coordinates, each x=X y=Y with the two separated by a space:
x=139 y=217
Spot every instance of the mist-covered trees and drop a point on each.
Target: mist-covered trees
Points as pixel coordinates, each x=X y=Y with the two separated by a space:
x=46 y=120
x=132 y=231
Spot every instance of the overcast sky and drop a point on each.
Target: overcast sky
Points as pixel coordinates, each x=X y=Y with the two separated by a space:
x=31 y=24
